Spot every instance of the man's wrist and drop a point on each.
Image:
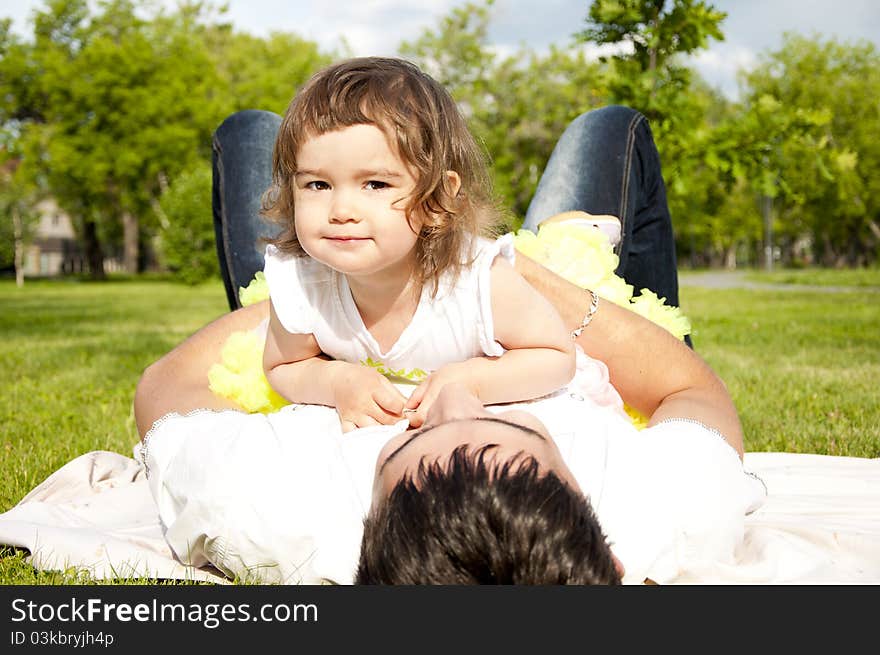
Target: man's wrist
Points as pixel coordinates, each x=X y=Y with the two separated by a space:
x=588 y=315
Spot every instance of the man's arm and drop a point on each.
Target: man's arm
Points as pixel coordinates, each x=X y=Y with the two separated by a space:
x=652 y=370
x=178 y=382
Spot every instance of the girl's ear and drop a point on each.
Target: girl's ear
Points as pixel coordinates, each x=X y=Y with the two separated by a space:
x=454 y=181
x=453 y=185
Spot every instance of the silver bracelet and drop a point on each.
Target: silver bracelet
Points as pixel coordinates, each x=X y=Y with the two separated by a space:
x=594 y=305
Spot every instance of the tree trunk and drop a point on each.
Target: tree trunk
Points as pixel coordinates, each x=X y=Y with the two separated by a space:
x=828 y=253
x=94 y=251
x=130 y=235
x=730 y=257
x=18 y=237
x=767 y=213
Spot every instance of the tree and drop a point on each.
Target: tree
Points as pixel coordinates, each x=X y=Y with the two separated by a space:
x=260 y=73
x=652 y=37
x=516 y=106
x=17 y=200
x=17 y=193
x=828 y=172
x=116 y=103
x=652 y=33
x=109 y=107
x=187 y=227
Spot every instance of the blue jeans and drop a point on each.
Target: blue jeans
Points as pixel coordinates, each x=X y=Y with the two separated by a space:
x=605 y=162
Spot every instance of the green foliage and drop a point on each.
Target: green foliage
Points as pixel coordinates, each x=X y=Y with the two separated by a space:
x=655 y=31
x=803 y=136
x=18 y=213
x=651 y=38
x=116 y=103
x=260 y=73
x=106 y=105
x=533 y=100
x=517 y=106
x=186 y=236
x=829 y=174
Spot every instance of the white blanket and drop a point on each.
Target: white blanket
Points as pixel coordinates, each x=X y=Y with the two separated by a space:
x=820 y=523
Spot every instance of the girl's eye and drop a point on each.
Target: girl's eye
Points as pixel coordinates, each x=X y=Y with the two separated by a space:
x=317 y=185
x=375 y=185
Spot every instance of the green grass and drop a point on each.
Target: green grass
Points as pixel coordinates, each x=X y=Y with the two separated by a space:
x=802 y=368
x=856 y=277
x=71 y=354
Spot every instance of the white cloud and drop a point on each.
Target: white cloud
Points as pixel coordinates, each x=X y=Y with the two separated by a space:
x=720 y=66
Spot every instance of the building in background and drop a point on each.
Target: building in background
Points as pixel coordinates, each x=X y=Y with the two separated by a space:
x=54 y=250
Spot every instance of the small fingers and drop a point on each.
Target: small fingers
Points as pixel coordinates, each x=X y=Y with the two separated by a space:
x=416 y=418
x=380 y=416
x=350 y=423
x=389 y=399
x=416 y=396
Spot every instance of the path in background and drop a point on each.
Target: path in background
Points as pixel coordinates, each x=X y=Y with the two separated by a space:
x=722 y=279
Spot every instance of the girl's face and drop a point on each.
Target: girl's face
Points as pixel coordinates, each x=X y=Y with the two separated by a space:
x=349 y=197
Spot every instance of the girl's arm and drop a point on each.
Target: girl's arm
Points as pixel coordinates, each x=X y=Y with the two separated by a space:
x=288 y=358
x=540 y=355
x=298 y=371
x=652 y=370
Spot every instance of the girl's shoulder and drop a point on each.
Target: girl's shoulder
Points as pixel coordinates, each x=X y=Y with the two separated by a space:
x=485 y=250
x=477 y=258
x=300 y=288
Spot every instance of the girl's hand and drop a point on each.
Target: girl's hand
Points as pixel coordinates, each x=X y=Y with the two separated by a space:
x=426 y=393
x=365 y=397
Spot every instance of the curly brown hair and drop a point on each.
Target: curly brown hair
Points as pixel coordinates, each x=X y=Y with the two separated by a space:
x=421 y=119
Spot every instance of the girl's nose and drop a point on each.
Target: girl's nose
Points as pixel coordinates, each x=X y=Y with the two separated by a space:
x=343 y=209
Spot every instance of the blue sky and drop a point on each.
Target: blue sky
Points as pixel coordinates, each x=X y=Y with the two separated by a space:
x=378 y=26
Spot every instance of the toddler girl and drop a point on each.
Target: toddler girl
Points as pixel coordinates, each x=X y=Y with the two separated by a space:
x=382 y=272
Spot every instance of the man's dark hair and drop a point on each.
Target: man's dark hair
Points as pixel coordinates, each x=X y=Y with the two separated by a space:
x=473 y=522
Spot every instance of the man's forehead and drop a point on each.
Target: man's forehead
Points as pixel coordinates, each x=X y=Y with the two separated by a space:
x=478 y=427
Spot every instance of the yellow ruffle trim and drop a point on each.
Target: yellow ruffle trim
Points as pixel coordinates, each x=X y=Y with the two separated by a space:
x=585 y=258
x=239 y=376
x=582 y=256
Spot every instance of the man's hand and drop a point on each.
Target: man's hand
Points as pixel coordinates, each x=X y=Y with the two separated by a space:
x=364 y=397
x=426 y=393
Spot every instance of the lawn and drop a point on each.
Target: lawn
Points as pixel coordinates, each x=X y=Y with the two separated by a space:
x=802 y=367
x=857 y=277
